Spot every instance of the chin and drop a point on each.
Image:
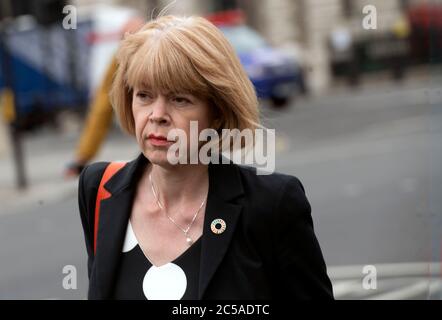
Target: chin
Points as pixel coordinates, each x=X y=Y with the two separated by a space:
x=157 y=157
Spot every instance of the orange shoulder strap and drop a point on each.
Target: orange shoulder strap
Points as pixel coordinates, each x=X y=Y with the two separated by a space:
x=102 y=193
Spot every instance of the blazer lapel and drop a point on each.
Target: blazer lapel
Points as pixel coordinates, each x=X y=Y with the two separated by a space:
x=114 y=215
x=224 y=186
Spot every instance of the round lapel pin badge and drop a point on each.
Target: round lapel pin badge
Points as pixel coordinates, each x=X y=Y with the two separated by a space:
x=218 y=226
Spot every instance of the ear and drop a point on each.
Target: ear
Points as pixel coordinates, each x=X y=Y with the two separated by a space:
x=217 y=118
x=216 y=123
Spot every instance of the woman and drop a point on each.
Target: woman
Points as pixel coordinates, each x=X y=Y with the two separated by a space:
x=192 y=231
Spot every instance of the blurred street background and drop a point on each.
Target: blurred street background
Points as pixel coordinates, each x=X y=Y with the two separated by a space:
x=353 y=89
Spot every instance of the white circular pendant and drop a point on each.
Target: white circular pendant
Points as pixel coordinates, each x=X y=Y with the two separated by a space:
x=167 y=282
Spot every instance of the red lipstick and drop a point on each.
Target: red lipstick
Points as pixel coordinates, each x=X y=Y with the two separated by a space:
x=158 y=140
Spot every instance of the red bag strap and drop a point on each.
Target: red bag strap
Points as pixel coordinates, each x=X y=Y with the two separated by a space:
x=102 y=193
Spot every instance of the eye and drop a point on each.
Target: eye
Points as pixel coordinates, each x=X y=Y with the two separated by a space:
x=181 y=101
x=143 y=96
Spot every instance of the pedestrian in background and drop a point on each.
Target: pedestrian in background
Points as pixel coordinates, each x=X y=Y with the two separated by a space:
x=100 y=115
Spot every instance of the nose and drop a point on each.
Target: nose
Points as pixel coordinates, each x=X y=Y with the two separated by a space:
x=159 y=111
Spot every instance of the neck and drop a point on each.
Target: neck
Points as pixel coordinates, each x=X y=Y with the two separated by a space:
x=180 y=184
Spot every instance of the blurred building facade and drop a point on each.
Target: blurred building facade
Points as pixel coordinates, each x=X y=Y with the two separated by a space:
x=305 y=24
x=309 y=24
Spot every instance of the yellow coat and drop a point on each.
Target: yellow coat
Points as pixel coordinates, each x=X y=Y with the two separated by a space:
x=98 y=120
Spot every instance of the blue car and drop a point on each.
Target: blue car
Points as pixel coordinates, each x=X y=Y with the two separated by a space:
x=275 y=75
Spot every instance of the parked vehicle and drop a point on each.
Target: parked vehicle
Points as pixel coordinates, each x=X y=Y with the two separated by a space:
x=426 y=32
x=51 y=69
x=46 y=68
x=367 y=53
x=275 y=74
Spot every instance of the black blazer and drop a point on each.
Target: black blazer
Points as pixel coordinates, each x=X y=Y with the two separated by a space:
x=268 y=250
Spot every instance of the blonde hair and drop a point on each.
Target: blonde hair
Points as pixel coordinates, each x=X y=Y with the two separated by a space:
x=184 y=54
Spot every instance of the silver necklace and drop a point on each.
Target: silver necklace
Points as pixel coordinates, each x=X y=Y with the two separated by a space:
x=185 y=231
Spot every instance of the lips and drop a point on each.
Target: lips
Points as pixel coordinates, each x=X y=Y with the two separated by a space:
x=156 y=137
x=158 y=140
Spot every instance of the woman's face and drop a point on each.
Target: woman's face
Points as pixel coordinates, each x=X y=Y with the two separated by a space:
x=156 y=114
